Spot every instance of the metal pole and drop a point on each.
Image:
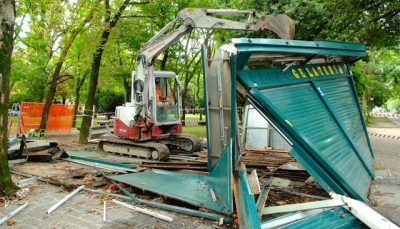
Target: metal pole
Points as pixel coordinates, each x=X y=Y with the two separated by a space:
x=25 y=181
x=163 y=217
x=104 y=213
x=13 y=213
x=65 y=199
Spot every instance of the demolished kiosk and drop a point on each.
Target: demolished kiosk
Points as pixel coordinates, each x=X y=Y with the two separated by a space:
x=305 y=90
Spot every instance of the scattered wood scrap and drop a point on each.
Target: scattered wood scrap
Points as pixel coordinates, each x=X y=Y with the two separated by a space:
x=175 y=165
x=34 y=150
x=270 y=158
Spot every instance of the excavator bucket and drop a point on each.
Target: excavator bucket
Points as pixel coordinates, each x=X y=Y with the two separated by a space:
x=282 y=25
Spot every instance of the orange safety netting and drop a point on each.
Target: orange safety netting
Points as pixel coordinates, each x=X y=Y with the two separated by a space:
x=59 y=120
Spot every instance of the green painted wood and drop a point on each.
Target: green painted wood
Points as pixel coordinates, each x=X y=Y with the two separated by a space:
x=247 y=209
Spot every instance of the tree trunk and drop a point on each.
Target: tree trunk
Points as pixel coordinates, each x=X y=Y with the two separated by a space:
x=125 y=81
x=365 y=104
x=7 y=21
x=50 y=96
x=188 y=77
x=127 y=90
x=78 y=87
x=94 y=76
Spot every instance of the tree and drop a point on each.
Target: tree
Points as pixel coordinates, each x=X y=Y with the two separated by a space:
x=34 y=62
x=192 y=64
x=67 y=45
x=7 y=21
x=377 y=79
x=109 y=23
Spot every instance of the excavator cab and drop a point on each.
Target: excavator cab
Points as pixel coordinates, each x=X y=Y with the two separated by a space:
x=167 y=98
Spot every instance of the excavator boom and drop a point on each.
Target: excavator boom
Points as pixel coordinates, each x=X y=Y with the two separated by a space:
x=140 y=120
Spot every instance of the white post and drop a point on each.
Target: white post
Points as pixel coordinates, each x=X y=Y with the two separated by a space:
x=7 y=217
x=65 y=199
x=25 y=181
x=163 y=217
x=104 y=213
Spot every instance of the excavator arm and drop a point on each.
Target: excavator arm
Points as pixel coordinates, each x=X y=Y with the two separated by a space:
x=145 y=127
x=193 y=18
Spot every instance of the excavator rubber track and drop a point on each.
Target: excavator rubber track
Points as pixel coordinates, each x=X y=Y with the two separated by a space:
x=148 y=150
x=183 y=143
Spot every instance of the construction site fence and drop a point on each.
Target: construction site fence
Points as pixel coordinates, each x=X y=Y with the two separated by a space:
x=59 y=119
x=187 y=110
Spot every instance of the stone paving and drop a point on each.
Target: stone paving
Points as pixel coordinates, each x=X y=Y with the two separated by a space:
x=85 y=210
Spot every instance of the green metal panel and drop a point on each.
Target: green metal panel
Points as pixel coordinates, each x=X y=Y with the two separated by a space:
x=277 y=77
x=340 y=97
x=245 y=47
x=315 y=106
x=205 y=68
x=116 y=164
x=213 y=191
x=334 y=218
x=299 y=109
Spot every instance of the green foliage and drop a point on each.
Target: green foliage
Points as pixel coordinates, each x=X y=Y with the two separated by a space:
x=393 y=104
x=377 y=79
x=374 y=23
x=106 y=101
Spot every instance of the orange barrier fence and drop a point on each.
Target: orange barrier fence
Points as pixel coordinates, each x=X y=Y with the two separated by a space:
x=59 y=119
x=9 y=127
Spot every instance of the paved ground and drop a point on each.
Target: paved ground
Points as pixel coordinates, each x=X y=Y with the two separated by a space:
x=85 y=210
x=385 y=188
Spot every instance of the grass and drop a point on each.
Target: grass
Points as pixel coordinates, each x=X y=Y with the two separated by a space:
x=199 y=131
x=196 y=130
x=369 y=120
x=14 y=126
x=194 y=116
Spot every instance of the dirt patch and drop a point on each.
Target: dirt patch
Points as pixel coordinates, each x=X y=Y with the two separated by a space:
x=67 y=141
x=64 y=172
x=70 y=174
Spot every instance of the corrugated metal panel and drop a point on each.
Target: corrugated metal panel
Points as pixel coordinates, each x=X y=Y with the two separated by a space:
x=301 y=106
x=334 y=218
x=320 y=115
x=338 y=92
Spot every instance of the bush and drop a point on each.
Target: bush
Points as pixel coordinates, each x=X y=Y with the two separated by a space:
x=106 y=101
